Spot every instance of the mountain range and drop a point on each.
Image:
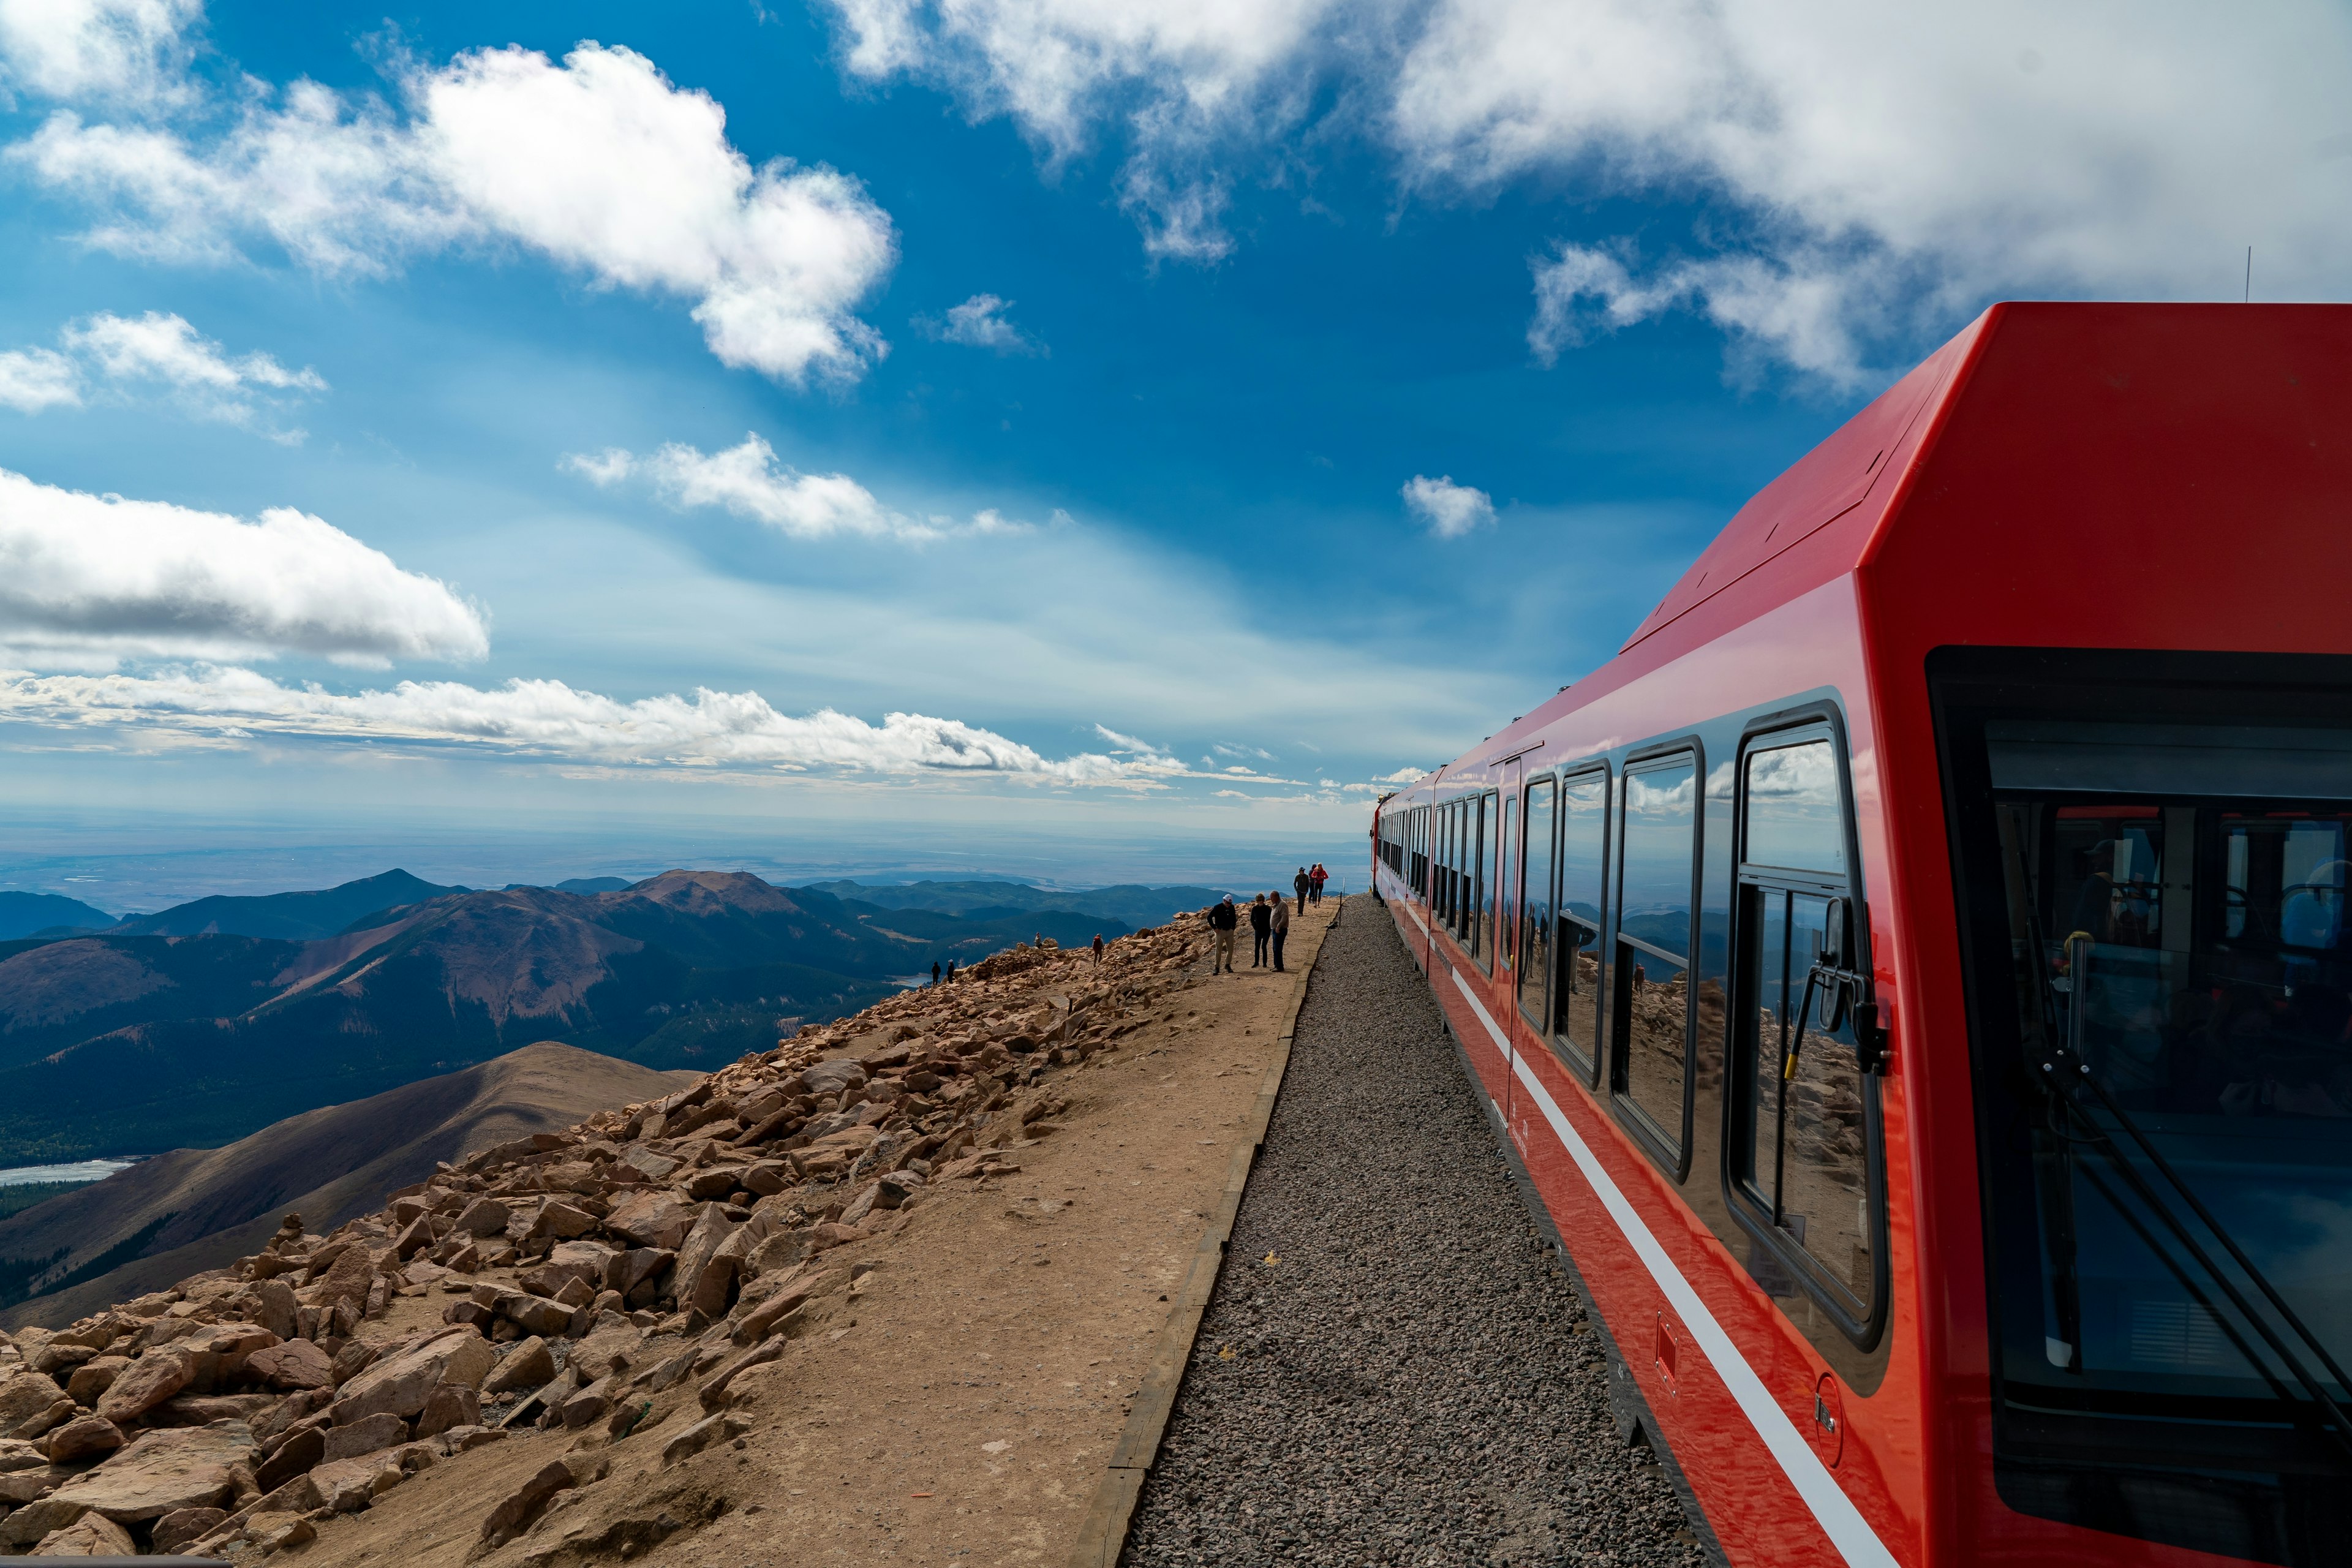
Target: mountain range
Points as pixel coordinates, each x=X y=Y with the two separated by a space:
x=203 y=1022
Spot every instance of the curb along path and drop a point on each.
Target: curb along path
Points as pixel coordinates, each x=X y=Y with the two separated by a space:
x=1104 y=1530
x=1393 y=1369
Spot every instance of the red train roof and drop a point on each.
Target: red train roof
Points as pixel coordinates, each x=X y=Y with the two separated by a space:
x=2183 y=455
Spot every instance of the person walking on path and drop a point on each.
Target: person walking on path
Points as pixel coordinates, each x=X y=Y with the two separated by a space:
x=1098 y=947
x=1316 y=878
x=1301 y=882
x=1223 y=919
x=1261 y=925
x=935 y=974
x=1281 y=921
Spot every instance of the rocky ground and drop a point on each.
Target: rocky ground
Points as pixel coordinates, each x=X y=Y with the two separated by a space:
x=880 y=1293
x=1394 y=1369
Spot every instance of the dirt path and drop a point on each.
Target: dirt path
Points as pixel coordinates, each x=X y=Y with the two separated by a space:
x=957 y=1407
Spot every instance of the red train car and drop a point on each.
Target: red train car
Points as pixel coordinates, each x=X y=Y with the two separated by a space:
x=1914 y=973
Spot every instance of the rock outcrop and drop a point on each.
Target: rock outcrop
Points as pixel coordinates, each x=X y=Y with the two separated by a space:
x=659 y=1250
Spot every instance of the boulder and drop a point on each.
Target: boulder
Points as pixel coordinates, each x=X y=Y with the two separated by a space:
x=17 y=1454
x=347 y=1279
x=91 y=1536
x=448 y=1409
x=161 y=1472
x=659 y=1219
x=368 y=1435
x=695 y=1256
x=485 y=1216
x=515 y=1513
x=272 y=1305
x=176 y=1529
x=88 y=1438
x=629 y=1270
x=295 y=1456
x=277 y=1531
x=528 y=1365
x=19 y=1488
x=26 y=1394
x=401 y=1383
x=23 y=1527
x=93 y=1378
x=563 y=1221
x=145 y=1383
x=297 y=1364
x=585 y=1261
x=832 y=1078
x=536 y=1314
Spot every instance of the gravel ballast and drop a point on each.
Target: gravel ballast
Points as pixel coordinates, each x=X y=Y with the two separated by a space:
x=1395 y=1368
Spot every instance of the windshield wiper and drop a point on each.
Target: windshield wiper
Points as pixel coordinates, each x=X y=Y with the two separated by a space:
x=2060 y=1067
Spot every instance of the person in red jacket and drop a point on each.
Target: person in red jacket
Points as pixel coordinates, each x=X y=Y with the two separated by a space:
x=1316 y=878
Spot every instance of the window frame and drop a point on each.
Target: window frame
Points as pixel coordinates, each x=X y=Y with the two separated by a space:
x=1751 y=1209
x=1584 y=1063
x=1549 y=866
x=1671 y=1151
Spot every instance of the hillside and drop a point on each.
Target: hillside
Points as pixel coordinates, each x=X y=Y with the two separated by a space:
x=122 y=1044
x=195 y=1209
x=22 y=914
x=290 y=917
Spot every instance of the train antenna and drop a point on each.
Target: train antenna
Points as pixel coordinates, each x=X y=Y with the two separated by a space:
x=2250 y=276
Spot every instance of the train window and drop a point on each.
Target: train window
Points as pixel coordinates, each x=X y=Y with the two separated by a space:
x=2153 y=875
x=1479 y=923
x=1576 y=940
x=1535 y=903
x=1801 y=1145
x=1506 y=879
x=1658 y=839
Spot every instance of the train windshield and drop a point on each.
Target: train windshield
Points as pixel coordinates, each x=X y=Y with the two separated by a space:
x=2157 y=914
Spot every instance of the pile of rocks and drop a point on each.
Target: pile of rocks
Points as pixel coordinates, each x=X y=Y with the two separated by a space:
x=652 y=1253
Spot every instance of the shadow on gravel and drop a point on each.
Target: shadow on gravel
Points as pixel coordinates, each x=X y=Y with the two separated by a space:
x=1394 y=1369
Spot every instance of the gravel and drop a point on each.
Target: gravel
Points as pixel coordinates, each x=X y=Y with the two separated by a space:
x=1395 y=1369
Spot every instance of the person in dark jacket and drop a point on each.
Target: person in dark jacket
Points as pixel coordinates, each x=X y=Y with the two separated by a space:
x=1300 y=883
x=1260 y=928
x=935 y=972
x=1281 y=921
x=1098 y=947
x=1223 y=921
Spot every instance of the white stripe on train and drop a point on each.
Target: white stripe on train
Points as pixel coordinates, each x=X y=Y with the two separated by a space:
x=1835 y=1512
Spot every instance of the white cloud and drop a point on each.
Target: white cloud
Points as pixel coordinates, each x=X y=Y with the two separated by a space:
x=98 y=48
x=1450 y=510
x=544 y=718
x=599 y=164
x=35 y=379
x=979 y=323
x=1402 y=775
x=1861 y=186
x=91 y=580
x=748 y=481
x=1188 y=78
x=2099 y=148
x=1119 y=742
x=155 y=349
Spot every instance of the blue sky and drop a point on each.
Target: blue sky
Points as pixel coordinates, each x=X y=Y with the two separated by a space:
x=1119 y=376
